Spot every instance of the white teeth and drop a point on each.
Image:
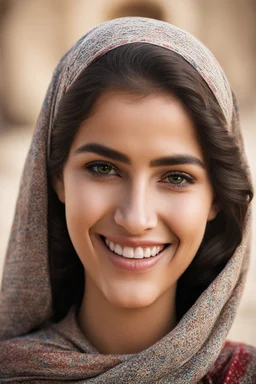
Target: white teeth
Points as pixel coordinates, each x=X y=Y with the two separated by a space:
x=147 y=252
x=133 y=253
x=111 y=246
x=118 y=249
x=138 y=254
x=128 y=252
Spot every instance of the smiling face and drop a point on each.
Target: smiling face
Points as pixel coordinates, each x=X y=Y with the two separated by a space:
x=135 y=179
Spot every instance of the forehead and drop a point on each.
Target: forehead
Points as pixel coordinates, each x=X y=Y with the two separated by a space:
x=140 y=124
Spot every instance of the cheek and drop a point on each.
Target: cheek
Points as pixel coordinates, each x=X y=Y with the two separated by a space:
x=188 y=214
x=187 y=218
x=85 y=203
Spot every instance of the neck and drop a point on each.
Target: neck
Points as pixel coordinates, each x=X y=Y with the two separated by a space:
x=114 y=330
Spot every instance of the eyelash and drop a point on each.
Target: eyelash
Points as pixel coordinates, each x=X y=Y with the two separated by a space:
x=189 y=179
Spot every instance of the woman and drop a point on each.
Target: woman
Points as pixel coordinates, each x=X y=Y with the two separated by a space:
x=129 y=248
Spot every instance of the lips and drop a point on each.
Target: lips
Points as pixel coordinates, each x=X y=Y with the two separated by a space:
x=131 y=242
x=132 y=264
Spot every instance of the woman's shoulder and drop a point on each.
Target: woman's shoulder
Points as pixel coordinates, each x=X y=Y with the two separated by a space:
x=236 y=364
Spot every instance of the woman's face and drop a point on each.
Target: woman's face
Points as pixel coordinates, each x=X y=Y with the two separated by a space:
x=135 y=179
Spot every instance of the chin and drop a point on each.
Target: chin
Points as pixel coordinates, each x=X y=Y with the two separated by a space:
x=131 y=298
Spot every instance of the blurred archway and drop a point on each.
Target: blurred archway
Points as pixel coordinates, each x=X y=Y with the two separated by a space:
x=149 y=9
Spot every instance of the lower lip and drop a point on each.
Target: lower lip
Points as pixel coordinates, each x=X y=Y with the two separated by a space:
x=132 y=265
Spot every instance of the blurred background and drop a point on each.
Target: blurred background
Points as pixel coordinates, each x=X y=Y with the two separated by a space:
x=34 y=34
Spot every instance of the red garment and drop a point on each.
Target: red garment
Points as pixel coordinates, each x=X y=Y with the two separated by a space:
x=236 y=364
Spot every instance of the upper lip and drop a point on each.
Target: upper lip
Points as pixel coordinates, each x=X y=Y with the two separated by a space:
x=129 y=242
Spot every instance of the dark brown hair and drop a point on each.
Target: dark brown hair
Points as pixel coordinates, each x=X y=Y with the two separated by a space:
x=145 y=69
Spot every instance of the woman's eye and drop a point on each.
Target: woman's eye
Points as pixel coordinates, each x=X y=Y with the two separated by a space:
x=103 y=169
x=179 y=179
x=175 y=179
x=100 y=169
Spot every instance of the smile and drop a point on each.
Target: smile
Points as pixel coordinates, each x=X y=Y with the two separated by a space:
x=133 y=252
x=133 y=259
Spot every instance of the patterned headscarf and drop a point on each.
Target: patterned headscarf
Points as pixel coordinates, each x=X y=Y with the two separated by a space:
x=60 y=352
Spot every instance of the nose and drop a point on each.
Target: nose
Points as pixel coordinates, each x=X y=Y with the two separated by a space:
x=135 y=212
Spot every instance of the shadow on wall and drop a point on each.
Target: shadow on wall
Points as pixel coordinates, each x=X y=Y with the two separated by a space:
x=151 y=10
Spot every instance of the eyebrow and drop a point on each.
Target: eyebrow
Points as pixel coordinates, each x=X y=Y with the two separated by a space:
x=112 y=154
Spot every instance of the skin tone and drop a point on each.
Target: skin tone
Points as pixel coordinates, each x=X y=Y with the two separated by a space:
x=134 y=196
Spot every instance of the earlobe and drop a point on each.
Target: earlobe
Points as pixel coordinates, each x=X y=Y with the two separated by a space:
x=58 y=185
x=213 y=211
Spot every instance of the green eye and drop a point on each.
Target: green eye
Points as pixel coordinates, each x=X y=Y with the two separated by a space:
x=176 y=179
x=103 y=169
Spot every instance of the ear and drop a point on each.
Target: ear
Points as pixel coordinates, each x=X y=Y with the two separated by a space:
x=213 y=212
x=58 y=185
